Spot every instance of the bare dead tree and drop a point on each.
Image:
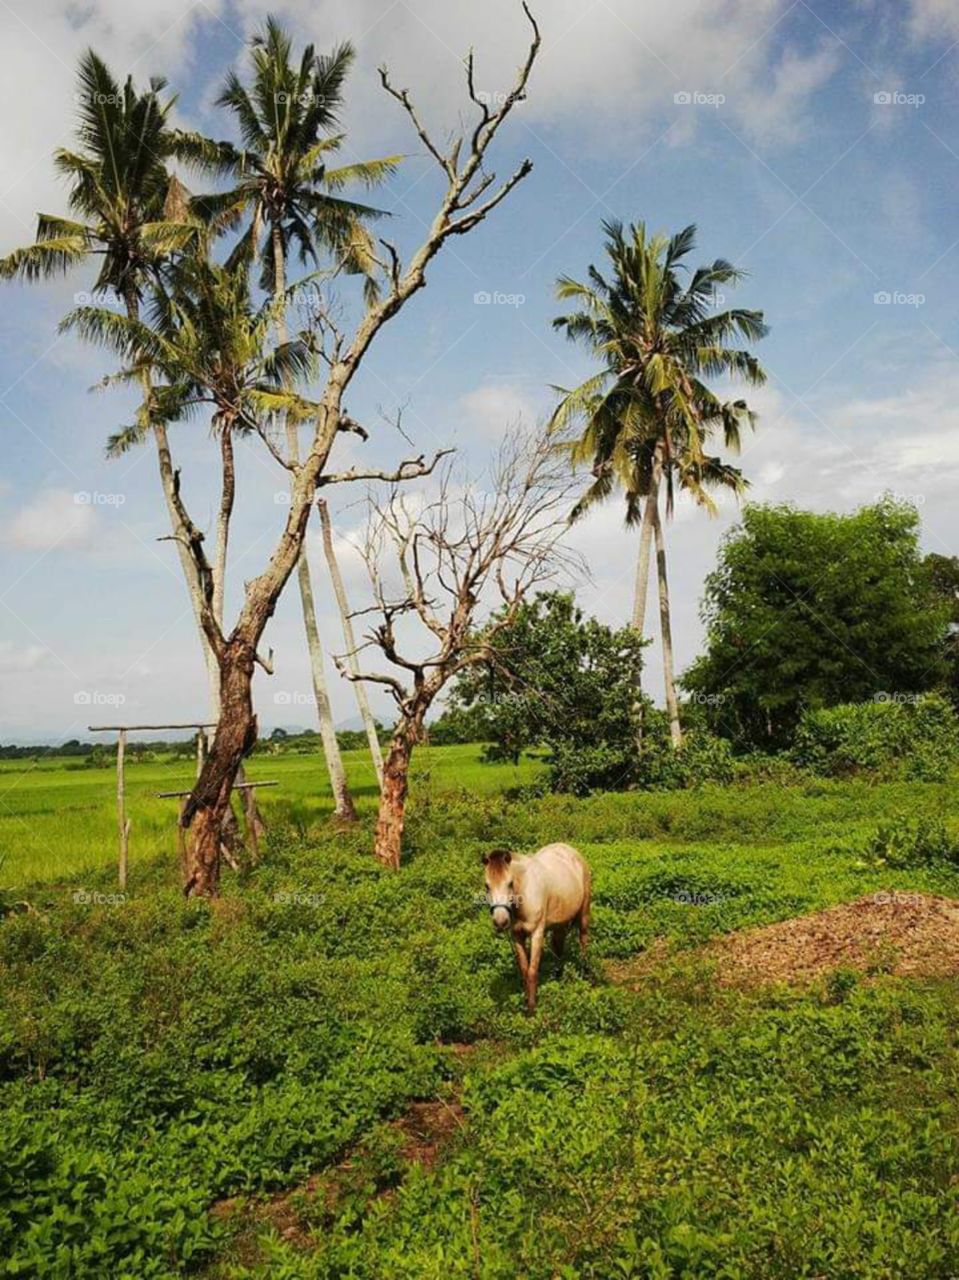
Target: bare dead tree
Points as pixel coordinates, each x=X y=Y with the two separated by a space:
x=471 y=194
x=433 y=571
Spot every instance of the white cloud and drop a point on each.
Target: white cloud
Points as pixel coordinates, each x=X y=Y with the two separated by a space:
x=774 y=111
x=644 y=56
x=932 y=19
x=13 y=659
x=488 y=411
x=54 y=518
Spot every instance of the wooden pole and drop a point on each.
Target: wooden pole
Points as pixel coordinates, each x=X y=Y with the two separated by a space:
x=339 y=590
x=109 y=728
x=122 y=820
x=252 y=834
x=200 y=749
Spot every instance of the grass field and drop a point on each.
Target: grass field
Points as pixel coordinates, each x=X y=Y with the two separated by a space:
x=328 y=1073
x=57 y=820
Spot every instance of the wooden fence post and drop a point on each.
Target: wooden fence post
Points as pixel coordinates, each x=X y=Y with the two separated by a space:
x=122 y=820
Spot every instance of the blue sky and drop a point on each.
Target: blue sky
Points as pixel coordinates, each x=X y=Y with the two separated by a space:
x=815 y=144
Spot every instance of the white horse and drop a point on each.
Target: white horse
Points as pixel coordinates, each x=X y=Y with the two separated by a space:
x=549 y=890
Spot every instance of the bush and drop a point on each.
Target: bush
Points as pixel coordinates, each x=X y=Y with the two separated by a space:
x=918 y=738
x=911 y=842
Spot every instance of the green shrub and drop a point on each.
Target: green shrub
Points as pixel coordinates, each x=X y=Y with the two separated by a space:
x=912 y=842
x=702 y=758
x=914 y=738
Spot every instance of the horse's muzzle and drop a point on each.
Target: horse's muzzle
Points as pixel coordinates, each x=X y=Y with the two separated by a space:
x=501 y=917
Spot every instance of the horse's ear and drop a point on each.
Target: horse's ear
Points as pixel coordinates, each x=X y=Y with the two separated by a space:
x=485 y=859
x=507 y=857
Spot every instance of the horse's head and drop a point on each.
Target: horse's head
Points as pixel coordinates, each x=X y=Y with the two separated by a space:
x=498 y=873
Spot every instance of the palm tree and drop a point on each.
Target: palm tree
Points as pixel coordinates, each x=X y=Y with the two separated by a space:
x=130 y=214
x=282 y=185
x=205 y=344
x=648 y=412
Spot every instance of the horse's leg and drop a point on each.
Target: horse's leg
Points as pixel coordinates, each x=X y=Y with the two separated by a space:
x=532 y=975
x=519 y=948
x=584 y=918
x=558 y=943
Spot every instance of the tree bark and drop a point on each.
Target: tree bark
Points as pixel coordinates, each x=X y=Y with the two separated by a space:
x=203 y=814
x=672 y=702
x=388 y=841
x=227 y=496
x=339 y=590
x=344 y=809
x=641 y=591
x=640 y=595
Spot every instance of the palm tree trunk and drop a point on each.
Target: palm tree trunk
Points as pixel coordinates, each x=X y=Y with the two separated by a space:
x=344 y=808
x=672 y=702
x=640 y=595
x=342 y=798
x=362 y=698
x=641 y=590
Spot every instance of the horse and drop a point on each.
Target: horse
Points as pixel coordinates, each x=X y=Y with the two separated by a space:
x=528 y=895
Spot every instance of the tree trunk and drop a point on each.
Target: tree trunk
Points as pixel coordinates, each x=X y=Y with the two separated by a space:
x=344 y=808
x=672 y=702
x=391 y=819
x=641 y=591
x=640 y=595
x=227 y=496
x=339 y=589
x=203 y=814
x=343 y=800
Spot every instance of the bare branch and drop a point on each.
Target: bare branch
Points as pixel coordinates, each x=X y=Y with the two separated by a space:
x=403 y=97
x=409 y=469
x=461 y=225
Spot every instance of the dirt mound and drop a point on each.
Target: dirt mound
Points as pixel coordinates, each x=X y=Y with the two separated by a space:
x=896 y=932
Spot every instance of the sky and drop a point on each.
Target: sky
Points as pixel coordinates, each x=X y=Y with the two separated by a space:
x=814 y=144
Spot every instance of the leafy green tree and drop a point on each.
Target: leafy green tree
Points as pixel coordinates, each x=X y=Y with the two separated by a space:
x=808 y=610
x=648 y=414
x=558 y=679
x=944 y=572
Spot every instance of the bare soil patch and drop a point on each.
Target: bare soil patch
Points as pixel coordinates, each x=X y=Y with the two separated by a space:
x=894 y=931
x=427 y=1129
